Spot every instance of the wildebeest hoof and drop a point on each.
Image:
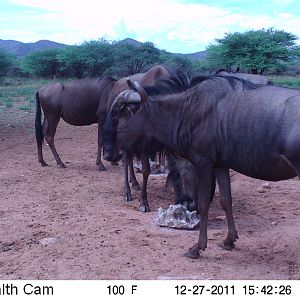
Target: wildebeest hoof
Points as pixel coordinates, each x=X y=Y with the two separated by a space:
x=144 y=208
x=101 y=168
x=63 y=166
x=43 y=163
x=192 y=254
x=128 y=198
x=227 y=245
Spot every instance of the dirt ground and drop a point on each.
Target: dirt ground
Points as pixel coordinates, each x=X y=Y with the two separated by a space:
x=73 y=223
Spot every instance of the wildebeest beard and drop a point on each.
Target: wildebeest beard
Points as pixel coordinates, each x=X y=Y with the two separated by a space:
x=110 y=151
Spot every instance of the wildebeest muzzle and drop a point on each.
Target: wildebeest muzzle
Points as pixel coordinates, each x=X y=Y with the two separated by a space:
x=111 y=154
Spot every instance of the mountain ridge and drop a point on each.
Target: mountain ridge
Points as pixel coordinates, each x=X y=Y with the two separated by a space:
x=20 y=49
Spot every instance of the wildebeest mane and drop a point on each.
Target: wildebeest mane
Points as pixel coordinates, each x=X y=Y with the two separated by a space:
x=107 y=78
x=233 y=81
x=148 y=146
x=177 y=83
x=224 y=70
x=180 y=83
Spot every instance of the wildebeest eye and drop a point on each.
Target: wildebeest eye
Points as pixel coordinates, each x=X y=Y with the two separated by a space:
x=133 y=108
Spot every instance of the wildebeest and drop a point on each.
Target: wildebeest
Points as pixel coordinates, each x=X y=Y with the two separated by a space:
x=148 y=78
x=78 y=102
x=254 y=78
x=220 y=124
x=183 y=177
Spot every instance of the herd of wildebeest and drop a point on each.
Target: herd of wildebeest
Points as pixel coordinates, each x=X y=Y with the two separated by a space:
x=204 y=126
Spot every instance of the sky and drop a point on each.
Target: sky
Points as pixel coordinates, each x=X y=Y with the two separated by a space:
x=178 y=26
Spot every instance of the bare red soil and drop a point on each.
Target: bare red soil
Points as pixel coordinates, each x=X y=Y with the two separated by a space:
x=73 y=223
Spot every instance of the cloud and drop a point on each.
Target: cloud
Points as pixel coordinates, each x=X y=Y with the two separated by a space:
x=177 y=26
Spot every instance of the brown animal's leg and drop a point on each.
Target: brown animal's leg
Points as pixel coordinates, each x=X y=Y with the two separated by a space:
x=144 y=205
x=132 y=178
x=204 y=175
x=49 y=137
x=40 y=145
x=98 y=160
x=223 y=179
x=293 y=165
x=127 y=190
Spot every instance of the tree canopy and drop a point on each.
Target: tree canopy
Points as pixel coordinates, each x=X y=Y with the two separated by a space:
x=6 y=61
x=254 y=50
x=42 y=63
x=131 y=59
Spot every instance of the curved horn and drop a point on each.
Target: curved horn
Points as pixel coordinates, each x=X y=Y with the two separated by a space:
x=137 y=87
x=126 y=97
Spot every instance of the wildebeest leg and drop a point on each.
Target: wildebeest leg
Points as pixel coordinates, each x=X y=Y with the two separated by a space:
x=127 y=190
x=49 y=137
x=98 y=160
x=205 y=176
x=144 y=205
x=132 y=178
x=223 y=179
x=40 y=144
x=295 y=166
x=39 y=132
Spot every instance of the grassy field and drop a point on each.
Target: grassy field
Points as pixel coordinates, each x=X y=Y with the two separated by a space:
x=19 y=93
x=287 y=81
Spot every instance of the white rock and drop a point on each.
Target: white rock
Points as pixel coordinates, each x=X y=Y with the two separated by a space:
x=266 y=185
x=220 y=218
x=177 y=216
x=48 y=241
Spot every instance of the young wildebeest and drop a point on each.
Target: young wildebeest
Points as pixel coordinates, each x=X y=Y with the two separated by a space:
x=79 y=103
x=148 y=78
x=183 y=177
x=221 y=123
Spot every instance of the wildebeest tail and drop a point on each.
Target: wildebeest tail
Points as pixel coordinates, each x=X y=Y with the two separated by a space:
x=38 y=122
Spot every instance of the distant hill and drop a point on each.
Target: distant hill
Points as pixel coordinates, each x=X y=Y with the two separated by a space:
x=193 y=56
x=20 y=49
x=130 y=41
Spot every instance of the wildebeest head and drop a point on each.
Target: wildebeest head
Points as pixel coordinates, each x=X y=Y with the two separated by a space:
x=125 y=125
x=122 y=111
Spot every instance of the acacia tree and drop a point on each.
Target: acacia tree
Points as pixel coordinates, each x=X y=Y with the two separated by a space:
x=97 y=56
x=131 y=59
x=42 y=63
x=6 y=61
x=71 y=62
x=255 y=50
x=89 y=59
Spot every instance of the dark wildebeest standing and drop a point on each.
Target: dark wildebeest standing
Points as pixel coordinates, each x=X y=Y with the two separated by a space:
x=181 y=172
x=79 y=103
x=221 y=123
x=148 y=78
